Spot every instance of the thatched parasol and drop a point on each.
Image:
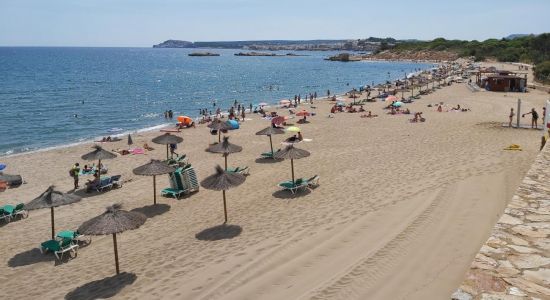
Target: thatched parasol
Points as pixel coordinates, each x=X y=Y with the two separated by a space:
x=225 y=148
x=218 y=125
x=167 y=139
x=269 y=131
x=51 y=198
x=154 y=168
x=99 y=154
x=292 y=153
x=222 y=181
x=113 y=221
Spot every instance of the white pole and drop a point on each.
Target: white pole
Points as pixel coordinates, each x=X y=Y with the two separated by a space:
x=518 y=113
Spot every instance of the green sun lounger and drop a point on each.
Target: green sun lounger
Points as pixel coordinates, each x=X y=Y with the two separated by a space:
x=300 y=183
x=241 y=170
x=74 y=236
x=172 y=192
x=59 y=247
x=269 y=154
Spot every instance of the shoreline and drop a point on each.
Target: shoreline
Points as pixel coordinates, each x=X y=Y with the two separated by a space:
x=149 y=128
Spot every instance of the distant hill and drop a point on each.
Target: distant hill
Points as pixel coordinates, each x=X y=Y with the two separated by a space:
x=516 y=35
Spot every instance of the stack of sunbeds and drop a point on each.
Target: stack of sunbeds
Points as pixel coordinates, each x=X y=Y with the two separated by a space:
x=182 y=181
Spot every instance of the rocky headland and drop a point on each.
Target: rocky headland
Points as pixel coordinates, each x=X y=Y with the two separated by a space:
x=203 y=54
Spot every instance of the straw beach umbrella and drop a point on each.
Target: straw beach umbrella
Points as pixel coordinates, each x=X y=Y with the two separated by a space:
x=99 y=154
x=218 y=125
x=269 y=131
x=222 y=181
x=114 y=220
x=154 y=168
x=225 y=148
x=50 y=199
x=167 y=139
x=292 y=153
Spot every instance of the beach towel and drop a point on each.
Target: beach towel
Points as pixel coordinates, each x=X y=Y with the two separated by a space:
x=514 y=147
x=137 y=151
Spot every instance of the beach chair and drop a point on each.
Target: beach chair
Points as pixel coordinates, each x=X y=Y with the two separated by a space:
x=74 y=236
x=19 y=211
x=241 y=170
x=59 y=247
x=313 y=181
x=170 y=192
x=293 y=187
x=5 y=215
x=176 y=189
x=269 y=154
x=104 y=183
x=115 y=181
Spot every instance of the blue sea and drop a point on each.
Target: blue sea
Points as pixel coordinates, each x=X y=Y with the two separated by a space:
x=42 y=88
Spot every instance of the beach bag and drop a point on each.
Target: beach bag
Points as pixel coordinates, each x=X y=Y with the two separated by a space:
x=71 y=172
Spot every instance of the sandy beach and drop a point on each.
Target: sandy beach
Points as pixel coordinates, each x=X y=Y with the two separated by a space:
x=401 y=210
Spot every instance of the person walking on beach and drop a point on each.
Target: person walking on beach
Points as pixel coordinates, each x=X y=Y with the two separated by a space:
x=328 y=93
x=75 y=171
x=242 y=114
x=534 y=117
x=511 y=116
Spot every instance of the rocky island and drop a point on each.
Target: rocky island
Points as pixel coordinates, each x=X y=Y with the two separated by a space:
x=203 y=54
x=345 y=57
x=253 y=53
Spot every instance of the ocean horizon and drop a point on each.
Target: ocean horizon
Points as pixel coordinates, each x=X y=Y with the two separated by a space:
x=56 y=96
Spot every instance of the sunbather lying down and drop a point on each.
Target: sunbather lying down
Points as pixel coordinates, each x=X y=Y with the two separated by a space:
x=147 y=147
x=369 y=115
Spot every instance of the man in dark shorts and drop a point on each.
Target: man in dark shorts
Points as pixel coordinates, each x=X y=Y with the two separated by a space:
x=534 y=117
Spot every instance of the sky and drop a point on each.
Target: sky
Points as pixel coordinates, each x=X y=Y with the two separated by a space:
x=142 y=23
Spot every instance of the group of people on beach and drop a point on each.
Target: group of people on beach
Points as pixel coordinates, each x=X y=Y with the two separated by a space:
x=534 y=117
x=168 y=114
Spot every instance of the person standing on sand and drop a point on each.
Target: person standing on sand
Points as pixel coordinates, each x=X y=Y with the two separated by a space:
x=511 y=116
x=75 y=171
x=242 y=114
x=534 y=117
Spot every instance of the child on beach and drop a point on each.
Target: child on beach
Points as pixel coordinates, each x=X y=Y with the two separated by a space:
x=511 y=116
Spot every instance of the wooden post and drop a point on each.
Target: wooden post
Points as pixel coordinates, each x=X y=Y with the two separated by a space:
x=53 y=226
x=99 y=171
x=154 y=190
x=225 y=156
x=271 y=144
x=518 y=113
x=116 y=253
x=224 y=206
x=292 y=166
x=167 y=151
